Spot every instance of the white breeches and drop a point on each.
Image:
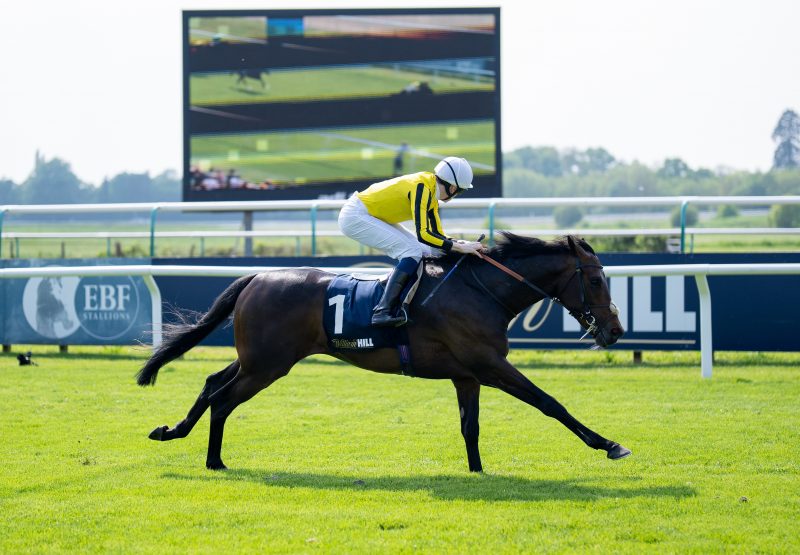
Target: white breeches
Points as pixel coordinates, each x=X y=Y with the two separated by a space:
x=395 y=240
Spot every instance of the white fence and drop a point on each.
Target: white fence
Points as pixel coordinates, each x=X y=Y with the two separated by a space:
x=699 y=271
x=314 y=206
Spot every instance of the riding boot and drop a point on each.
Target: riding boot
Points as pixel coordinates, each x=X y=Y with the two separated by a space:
x=383 y=315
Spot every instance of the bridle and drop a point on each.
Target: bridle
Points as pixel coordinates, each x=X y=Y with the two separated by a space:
x=585 y=316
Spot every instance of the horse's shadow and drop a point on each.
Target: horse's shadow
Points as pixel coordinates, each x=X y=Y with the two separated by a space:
x=248 y=91
x=483 y=487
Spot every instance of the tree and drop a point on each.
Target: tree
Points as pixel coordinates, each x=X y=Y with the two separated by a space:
x=52 y=182
x=9 y=192
x=140 y=187
x=675 y=167
x=567 y=216
x=127 y=187
x=519 y=182
x=785 y=215
x=167 y=187
x=692 y=216
x=584 y=162
x=599 y=160
x=542 y=160
x=787 y=134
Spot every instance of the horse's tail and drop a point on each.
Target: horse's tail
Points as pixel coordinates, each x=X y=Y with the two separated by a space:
x=182 y=337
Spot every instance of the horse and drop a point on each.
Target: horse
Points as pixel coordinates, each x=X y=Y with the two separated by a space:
x=460 y=334
x=242 y=76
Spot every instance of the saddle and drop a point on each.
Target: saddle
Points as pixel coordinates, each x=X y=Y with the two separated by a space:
x=347 y=314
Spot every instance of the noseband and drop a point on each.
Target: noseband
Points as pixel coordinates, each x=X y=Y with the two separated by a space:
x=585 y=315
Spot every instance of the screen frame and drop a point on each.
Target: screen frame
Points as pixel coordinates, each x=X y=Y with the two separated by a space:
x=314 y=192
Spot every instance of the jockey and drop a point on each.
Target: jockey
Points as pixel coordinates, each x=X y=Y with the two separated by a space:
x=372 y=217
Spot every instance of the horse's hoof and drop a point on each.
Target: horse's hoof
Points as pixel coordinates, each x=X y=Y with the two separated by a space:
x=158 y=433
x=618 y=452
x=219 y=465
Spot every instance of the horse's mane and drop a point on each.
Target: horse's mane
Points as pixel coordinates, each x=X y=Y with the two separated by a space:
x=512 y=245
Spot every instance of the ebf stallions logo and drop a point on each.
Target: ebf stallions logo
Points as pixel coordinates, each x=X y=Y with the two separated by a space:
x=104 y=307
x=107 y=306
x=48 y=307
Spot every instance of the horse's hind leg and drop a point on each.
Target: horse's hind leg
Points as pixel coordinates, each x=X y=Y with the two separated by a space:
x=511 y=380
x=213 y=383
x=238 y=390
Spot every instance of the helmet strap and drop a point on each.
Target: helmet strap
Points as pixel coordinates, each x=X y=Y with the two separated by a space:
x=447 y=186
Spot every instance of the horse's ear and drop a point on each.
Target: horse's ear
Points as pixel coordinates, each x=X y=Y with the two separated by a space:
x=572 y=246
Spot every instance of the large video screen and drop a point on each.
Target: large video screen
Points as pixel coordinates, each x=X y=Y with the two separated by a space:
x=320 y=103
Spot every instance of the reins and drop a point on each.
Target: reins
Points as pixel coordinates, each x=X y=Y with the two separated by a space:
x=513 y=274
x=587 y=316
x=453 y=269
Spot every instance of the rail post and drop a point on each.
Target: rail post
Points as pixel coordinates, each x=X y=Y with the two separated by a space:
x=2 y=215
x=314 y=229
x=155 y=301
x=247 y=223
x=153 y=213
x=492 y=206
x=684 y=204
x=706 y=340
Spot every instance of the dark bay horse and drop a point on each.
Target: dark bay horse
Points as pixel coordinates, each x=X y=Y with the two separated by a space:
x=242 y=76
x=459 y=335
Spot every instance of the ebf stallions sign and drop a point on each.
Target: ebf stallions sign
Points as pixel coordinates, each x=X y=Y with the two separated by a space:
x=76 y=310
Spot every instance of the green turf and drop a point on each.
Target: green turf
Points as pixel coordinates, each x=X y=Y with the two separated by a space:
x=320 y=83
x=294 y=158
x=340 y=460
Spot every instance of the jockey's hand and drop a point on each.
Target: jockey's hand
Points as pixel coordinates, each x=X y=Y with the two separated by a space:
x=468 y=247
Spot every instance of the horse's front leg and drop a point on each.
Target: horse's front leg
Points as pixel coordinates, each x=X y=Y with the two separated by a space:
x=468 y=391
x=507 y=378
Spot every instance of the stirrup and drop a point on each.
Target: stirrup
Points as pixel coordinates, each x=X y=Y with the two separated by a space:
x=387 y=320
x=403 y=312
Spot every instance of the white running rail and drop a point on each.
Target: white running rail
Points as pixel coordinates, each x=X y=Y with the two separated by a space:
x=313 y=206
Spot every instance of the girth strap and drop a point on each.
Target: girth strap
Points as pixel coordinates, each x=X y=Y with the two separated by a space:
x=405 y=359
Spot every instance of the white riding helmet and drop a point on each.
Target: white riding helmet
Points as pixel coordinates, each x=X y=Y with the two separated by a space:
x=455 y=171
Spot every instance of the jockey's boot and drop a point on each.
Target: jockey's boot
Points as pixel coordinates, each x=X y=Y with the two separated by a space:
x=383 y=315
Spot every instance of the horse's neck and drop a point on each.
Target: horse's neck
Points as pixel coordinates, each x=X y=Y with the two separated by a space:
x=514 y=295
x=546 y=272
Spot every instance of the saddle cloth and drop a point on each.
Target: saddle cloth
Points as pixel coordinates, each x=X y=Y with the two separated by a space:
x=347 y=314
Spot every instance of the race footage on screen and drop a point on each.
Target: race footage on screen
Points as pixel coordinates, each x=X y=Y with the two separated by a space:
x=318 y=104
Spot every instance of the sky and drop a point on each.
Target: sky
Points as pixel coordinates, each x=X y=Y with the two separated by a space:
x=97 y=83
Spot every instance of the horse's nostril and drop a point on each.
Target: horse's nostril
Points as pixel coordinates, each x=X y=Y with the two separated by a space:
x=617 y=332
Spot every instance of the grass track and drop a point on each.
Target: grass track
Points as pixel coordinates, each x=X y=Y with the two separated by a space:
x=217 y=89
x=335 y=154
x=336 y=459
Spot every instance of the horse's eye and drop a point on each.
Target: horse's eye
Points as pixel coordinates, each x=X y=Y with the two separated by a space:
x=595 y=282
